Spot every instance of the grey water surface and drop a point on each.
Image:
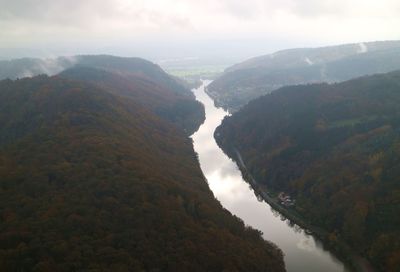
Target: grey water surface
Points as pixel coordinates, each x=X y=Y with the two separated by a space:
x=303 y=253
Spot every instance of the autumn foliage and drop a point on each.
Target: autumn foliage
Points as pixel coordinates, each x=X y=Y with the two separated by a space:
x=336 y=150
x=95 y=181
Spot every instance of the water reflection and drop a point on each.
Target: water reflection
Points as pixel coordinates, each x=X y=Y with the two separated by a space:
x=302 y=251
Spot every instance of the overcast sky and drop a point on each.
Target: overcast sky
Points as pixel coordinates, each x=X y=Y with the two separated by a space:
x=186 y=27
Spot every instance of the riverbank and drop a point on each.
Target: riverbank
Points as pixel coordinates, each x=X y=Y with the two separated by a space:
x=339 y=247
x=302 y=252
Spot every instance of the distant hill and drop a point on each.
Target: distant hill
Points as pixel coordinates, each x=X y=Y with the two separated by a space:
x=133 y=66
x=181 y=109
x=336 y=150
x=28 y=67
x=258 y=76
x=132 y=77
x=93 y=180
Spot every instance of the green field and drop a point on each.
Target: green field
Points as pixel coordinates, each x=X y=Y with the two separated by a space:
x=207 y=71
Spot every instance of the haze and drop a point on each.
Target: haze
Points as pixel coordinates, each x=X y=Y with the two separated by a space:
x=167 y=29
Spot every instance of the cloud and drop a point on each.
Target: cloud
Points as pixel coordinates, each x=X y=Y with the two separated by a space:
x=242 y=9
x=107 y=21
x=317 y=8
x=56 y=12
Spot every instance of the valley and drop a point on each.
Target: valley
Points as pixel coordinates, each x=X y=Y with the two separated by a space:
x=200 y=136
x=334 y=150
x=302 y=251
x=95 y=176
x=261 y=75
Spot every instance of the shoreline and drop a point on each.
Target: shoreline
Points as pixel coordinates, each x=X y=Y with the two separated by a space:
x=341 y=249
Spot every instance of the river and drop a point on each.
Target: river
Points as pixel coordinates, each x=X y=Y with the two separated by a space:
x=303 y=253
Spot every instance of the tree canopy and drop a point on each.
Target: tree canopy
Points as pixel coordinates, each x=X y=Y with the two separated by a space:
x=336 y=150
x=94 y=181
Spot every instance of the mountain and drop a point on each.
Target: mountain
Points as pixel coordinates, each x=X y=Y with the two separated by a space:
x=180 y=109
x=131 y=77
x=258 y=76
x=335 y=150
x=95 y=181
x=28 y=67
x=133 y=66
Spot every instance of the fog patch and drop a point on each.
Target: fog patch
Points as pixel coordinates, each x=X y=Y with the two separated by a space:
x=307 y=244
x=25 y=73
x=309 y=62
x=363 y=48
x=48 y=66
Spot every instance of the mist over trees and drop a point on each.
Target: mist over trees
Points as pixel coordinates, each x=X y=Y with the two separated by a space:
x=94 y=178
x=261 y=75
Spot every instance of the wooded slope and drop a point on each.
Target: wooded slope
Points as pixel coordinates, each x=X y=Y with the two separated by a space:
x=336 y=150
x=92 y=181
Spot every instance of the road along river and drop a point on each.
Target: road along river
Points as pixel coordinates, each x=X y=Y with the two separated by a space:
x=303 y=253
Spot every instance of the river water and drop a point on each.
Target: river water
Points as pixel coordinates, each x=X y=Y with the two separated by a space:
x=303 y=253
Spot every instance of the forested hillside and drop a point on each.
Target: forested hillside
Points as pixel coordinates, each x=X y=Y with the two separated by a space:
x=136 y=78
x=335 y=149
x=27 y=67
x=133 y=66
x=261 y=75
x=92 y=181
x=181 y=109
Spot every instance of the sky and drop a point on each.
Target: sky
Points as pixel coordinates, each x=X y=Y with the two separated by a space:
x=160 y=29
